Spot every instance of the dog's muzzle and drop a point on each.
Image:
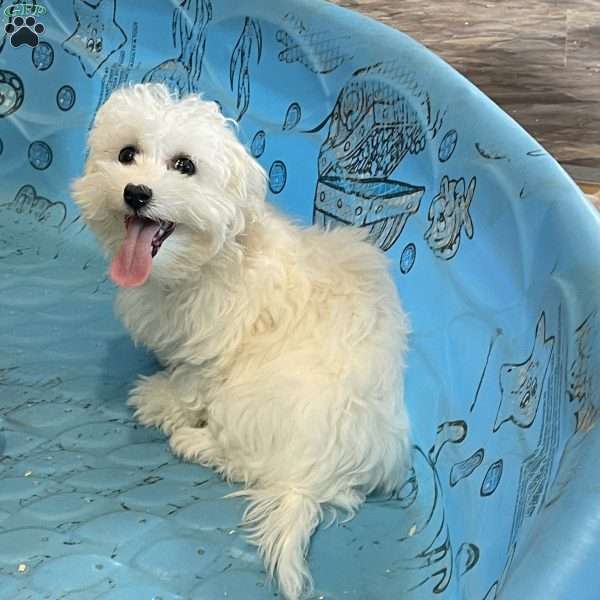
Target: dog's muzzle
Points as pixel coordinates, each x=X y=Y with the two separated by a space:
x=137 y=196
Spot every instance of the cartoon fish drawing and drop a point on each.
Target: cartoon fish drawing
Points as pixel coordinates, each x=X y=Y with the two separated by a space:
x=448 y=214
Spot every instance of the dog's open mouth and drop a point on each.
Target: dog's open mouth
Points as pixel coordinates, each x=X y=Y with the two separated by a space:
x=165 y=229
x=133 y=262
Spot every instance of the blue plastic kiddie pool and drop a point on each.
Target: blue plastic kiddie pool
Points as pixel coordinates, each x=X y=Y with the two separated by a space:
x=495 y=252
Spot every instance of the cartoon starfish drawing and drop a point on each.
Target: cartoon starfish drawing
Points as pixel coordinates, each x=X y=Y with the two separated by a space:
x=97 y=35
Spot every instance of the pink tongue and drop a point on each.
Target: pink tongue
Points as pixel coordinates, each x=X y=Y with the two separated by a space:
x=133 y=263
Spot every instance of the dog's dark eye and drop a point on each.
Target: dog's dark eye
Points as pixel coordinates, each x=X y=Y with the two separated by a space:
x=127 y=154
x=184 y=165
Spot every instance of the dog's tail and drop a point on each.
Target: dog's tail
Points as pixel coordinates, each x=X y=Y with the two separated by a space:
x=280 y=522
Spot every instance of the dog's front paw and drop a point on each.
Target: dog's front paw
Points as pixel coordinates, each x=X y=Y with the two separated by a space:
x=195 y=444
x=156 y=405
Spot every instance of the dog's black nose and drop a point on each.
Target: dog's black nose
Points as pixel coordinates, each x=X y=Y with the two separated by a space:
x=137 y=196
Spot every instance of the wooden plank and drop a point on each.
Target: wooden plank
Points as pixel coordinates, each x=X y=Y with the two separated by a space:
x=538 y=59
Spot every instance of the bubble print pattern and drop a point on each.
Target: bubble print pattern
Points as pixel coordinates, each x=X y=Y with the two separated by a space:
x=40 y=155
x=65 y=98
x=42 y=56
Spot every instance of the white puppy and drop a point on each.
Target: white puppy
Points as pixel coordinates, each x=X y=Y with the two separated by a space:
x=282 y=347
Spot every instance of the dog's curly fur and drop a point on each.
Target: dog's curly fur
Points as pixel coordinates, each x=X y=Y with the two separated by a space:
x=282 y=347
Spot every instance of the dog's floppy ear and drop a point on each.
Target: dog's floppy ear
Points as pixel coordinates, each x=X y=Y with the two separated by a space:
x=246 y=182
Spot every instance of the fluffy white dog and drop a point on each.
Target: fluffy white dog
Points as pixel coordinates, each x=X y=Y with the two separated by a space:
x=282 y=347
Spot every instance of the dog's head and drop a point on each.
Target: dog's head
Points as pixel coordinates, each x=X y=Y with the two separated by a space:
x=167 y=184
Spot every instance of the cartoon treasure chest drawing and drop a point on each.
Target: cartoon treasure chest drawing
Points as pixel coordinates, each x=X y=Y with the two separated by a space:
x=382 y=205
x=372 y=127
